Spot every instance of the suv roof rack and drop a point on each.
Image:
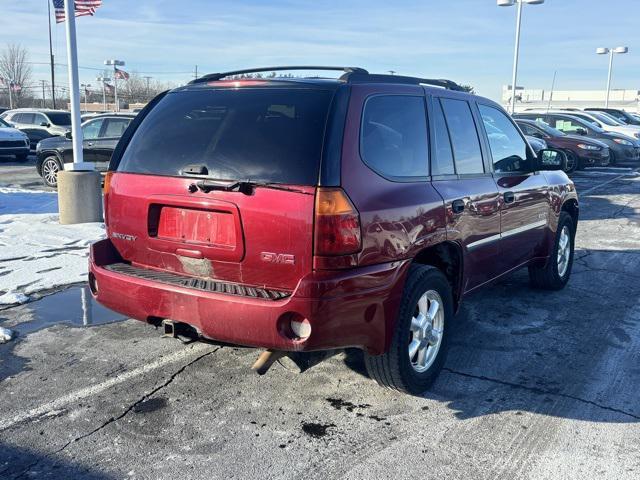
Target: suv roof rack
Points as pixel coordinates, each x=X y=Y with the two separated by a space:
x=351 y=75
x=211 y=77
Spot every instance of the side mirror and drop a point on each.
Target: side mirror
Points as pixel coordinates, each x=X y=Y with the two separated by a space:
x=550 y=159
x=67 y=135
x=581 y=131
x=45 y=124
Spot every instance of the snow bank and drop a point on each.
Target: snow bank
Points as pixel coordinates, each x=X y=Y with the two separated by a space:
x=36 y=252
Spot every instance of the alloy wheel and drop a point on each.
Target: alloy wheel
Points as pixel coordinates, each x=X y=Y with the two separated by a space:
x=50 y=169
x=564 y=251
x=426 y=331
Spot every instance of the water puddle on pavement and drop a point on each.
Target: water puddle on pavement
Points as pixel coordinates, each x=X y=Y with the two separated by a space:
x=74 y=306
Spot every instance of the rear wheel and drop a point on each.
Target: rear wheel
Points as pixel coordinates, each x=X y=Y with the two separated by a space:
x=419 y=345
x=555 y=274
x=50 y=168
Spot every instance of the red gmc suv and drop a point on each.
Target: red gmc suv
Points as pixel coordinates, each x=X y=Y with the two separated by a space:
x=305 y=214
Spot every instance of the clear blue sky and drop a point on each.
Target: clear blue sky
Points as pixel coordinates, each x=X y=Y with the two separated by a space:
x=469 y=41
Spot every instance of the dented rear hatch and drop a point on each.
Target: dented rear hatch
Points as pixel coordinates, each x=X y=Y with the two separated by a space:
x=219 y=183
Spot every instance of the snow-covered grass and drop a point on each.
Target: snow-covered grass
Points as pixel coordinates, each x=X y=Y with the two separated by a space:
x=36 y=252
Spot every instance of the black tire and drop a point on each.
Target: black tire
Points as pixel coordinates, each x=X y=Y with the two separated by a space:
x=572 y=162
x=550 y=277
x=48 y=164
x=394 y=369
x=612 y=158
x=22 y=158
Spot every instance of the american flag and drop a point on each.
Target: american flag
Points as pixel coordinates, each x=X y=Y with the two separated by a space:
x=121 y=74
x=109 y=89
x=83 y=7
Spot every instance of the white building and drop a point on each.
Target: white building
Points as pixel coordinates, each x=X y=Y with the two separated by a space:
x=628 y=100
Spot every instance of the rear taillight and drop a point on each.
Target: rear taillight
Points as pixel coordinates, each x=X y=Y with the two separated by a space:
x=107 y=182
x=337 y=224
x=105 y=199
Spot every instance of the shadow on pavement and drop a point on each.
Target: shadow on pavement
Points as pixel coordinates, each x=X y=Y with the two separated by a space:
x=517 y=349
x=23 y=463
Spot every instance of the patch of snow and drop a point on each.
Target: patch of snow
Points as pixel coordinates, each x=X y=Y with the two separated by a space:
x=36 y=252
x=6 y=335
x=13 y=298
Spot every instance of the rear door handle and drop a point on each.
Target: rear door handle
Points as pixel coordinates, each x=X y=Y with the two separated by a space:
x=457 y=206
x=509 y=197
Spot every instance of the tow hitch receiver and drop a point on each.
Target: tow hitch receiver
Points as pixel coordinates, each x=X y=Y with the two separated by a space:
x=183 y=332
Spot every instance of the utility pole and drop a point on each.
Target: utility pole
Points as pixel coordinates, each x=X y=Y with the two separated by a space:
x=104 y=80
x=53 y=74
x=147 y=78
x=43 y=95
x=196 y=73
x=10 y=85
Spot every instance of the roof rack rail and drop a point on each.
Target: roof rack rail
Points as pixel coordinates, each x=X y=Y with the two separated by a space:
x=351 y=75
x=373 y=77
x=212 y=77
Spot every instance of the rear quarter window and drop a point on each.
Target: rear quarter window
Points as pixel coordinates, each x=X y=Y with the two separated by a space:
x=266 y=134
x=393 y=136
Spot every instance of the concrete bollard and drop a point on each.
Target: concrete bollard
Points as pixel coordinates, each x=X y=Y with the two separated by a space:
x=79 y=197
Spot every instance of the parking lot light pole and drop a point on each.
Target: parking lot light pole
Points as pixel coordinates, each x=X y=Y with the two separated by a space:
x=115 y=64
x=516 y=54
x=610 y=52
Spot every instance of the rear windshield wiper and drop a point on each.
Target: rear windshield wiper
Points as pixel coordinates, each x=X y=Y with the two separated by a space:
x=247 y=187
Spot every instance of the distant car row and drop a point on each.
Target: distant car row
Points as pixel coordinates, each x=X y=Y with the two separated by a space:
x=590 y=137
x=47 y=132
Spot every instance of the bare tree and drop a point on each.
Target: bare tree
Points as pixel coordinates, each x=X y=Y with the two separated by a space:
x=14 y=67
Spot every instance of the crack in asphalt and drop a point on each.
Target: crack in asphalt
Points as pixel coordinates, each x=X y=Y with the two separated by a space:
x=146 y=396
x=541 y=391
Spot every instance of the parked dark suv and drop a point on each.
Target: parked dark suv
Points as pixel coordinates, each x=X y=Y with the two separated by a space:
x=303 y=214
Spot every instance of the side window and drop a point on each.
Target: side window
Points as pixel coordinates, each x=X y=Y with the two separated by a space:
x=464 y=136
x=115 y=127
x=26 y=118
x=91 y=130
x=39 y=119
x=393 y=137
x=529 y=130
x=508 y=148
x=566 y=125
x=442 y=164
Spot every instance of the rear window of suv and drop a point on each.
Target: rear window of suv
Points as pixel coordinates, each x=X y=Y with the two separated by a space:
x=264 y=135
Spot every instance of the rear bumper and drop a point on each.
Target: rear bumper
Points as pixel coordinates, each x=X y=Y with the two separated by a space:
x=354 y=308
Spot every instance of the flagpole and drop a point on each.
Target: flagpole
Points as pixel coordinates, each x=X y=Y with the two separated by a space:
x=79 y=196
x=74 y=90
x=53 y=75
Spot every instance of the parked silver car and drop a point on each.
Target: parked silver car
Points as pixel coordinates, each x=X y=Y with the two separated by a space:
x=53 y=122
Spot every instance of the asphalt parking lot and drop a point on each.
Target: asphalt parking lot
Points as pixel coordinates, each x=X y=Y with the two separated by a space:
x=537 y=385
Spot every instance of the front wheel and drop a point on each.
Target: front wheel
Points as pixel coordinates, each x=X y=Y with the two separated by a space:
x=50 y=168
x=555 y=274
x=419 y=345
x=572 y=162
